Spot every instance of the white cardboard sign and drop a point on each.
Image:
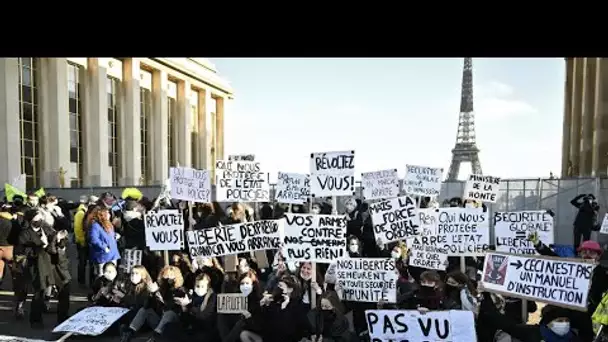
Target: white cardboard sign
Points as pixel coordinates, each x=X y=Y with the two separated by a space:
x=241 y=181
x=395 y=219
x=332 y=174
x=315 y=238
x=559 y=281
x=512 y=229
x=380 y=184
x=231 y=303
x=189 y=184
x=429 y=217
x=131 y=257
x=482 y=188
x=422 y=180
x=604 y=228
x=292 y=188
x=164 y=230
x=91 y=321
x=367 y=279
x=427 y=256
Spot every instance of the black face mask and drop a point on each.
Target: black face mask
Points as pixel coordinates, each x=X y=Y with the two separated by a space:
x=328 y=315
x=277 y=295
x=427 y=291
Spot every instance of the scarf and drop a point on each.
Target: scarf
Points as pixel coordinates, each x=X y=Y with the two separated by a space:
x=550 y=336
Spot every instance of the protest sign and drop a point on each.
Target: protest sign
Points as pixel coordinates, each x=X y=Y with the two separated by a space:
x=512 y=229
x=235 y=238
x=91 y=321
x=367 y=280
x=412 y=326
x=380 y=184
x=315 y=238
x=604 y=227
x=130 y=258
x=164 y=230
x=241 y=157
x=559 y=281
x=422 y=180
x=395 y=219
x=332 y=174
x=427 y=256
x=241 y=181
x=292 y=188
x=189 y=184
x=428 y=221
x=482 y=188
x=231 y=303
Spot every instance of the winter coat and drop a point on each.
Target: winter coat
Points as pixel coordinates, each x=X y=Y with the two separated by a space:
x=79 y=232
x=134 y=230
x=110 y=293
x=586 y=217
x=99 y=240
x=281 y=325
x=38 y=257
x=334 y=327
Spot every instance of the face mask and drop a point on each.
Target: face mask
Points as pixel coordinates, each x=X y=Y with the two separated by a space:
x=110 y=274
x=169 y=282
x=246 y=289
x=135 y=278
x=200 y=290
x=395 y=255
x=469 y=205
x=277 y=294
x=354 y=248
x=560 y=328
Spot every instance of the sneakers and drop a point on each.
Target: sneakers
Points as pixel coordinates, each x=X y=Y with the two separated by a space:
x=19 y=311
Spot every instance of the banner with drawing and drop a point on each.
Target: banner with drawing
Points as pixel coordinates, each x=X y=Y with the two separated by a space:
x=411 y=325
x=395 y=219
x=380 y=185
x=164 y=230
x=332 y=174
x=482 y=188
x=558 y=281
x=512 y=230
x=367 y=279
x=188 y=184
x=315 y=238
x=91 y=321
x=292 y=188
x=235 y=238
x=422 y=180
x=241 y=181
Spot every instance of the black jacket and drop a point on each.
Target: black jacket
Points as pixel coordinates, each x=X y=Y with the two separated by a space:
x=586 y=218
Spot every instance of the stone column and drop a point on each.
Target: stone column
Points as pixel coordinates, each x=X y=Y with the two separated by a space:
x=54 y=121
x=183 y=120
x=575 y=114
x=600 y=134
x=159 y=151
x=567 y=115
x=130 y=144
x=588 y=111
x=204 y=98
x=10 y=132
x=95 y=132
x=219 y=126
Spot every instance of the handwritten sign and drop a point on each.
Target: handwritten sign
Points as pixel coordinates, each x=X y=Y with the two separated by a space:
x=241 y=157
x=315 y=238
x=482 y=188
x=292 y=188
x=411 y=325
x=231 y=303
x=241 y=181
x=422 y=180
x=427 y=256
x=604 y=227
x=164 y=230
x=367 y=280
x=395 y=219
x=332 y=174
x=131 y=257
x=380 y=184
x=558 y=281
x=235 y=238
x=429 y=217
x=91 y=321
x=513 y=228
x=189 y=184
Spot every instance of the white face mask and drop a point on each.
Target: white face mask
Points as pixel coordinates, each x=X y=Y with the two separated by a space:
x=135 y=278
x=200 y=289
x=560 y=328
x=470 y=205
x=353 y=248
x=246 y=289
x=395 y=255
x=110 y=274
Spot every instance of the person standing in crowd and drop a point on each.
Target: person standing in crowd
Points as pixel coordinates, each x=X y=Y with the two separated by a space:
x=586 y=218
x=80 y=240
x=102 y=239
x=6 y=227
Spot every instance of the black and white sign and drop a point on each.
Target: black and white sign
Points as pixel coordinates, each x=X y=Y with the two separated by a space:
x=427 y=256
x=235 y=238
x=380 y=184
x=164 y=230
x=241 y=181
x=422 y=180
x=412 y=326
x=332 y=174
x=429 y=217
x=131 y=257
x=395 y=219
x=241 y=157
x=231 y=303
x=482 y=188
x=513 y=228
x=189 y=184
x=367 y=280
x=315 y=238
x=292 y=188
x=559 y=281
x=91 y=321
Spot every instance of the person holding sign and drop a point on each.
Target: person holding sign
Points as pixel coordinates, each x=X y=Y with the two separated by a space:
x=282 y=315
x=333 y=325
x=304 y=276
x=200 y=312
x=461 y=290
x=430 y=295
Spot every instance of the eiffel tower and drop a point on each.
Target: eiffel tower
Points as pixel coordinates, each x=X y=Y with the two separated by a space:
x=466 y=149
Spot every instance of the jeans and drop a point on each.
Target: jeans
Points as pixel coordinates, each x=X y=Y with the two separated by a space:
x=154 y=321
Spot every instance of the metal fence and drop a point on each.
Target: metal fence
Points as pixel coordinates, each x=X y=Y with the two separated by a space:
x=515 y=194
